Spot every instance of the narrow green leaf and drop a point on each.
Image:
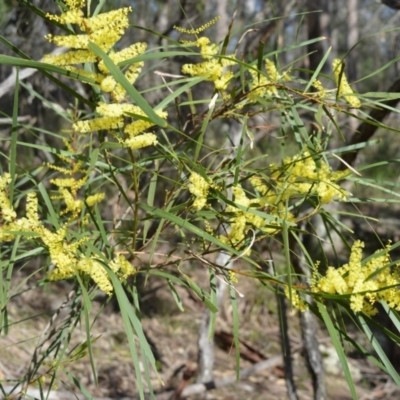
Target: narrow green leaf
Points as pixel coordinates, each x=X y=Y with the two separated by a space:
x=176 y=296
x=338 y=347
x=133 y=93
x=235 y=320
x=201 y=294
x=381 y=353
x=317 y=71
x=14 y=136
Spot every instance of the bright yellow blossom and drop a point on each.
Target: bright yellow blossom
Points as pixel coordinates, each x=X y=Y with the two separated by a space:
x=96 y=124
x=214 y=69
x=7 y=212
x=297 y=301
x=199 y=188
x=70 y=58
x=265 y=85
x=344 y=89
x=65 y=255
x=366 y=283
x=321 y=92
x=104 y=30
x=143 y=140
x=196 y=31
x=302 y=175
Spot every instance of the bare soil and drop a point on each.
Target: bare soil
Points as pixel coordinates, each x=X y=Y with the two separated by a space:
x=173 y=335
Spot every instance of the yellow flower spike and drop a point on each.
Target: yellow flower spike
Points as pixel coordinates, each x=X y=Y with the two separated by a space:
x=69 y=58
x=196 y=31
x=302 y=175
x=272 y=72
x=362 y=282
x=132 y=51
x=94 y=199
x=74 y=206
x=232 y=276
x=213 y=69
x=121 y=266
x=199 y=188
x=238 y=229
x=73 y=16
x=344 y=89
x=117 y=110
x=118 y=93
x=297 y=301
x=133 y=72
x=260 y=86
x=263 y=85
x=143 y=140
x=7 y=211
x=106 y=38
x=72 y=183
x=207 y=49
x=97 y=272
x=32 y=208
x=137 y=127
x=72 y=41
x=74 y=4
x=320 y=89
x=115 y=18
x=259 y=185
x=240 y=196
x=140 y=125
x=108 y=84
x=96 y=124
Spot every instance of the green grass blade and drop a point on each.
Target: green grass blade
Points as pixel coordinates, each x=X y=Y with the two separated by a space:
x=132 y=92
x=381 y=353
x=338 y=347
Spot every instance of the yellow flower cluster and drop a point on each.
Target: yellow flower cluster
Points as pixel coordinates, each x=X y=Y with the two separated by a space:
x=366 y=283
x=344 y=88
x=104 y=30
x=69 y=186
x=214 y=68
x=7 y=212
x=241 y=220
x=232 y=277
x=302 y=175
x=64 y=255
x=297 y=301
x=321 y=92
x=196 y=31
x=112 y=117
x=265 y=85
x=199 y=188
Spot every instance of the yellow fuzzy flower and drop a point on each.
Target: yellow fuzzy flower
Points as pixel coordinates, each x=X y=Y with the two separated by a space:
x=297 y=301
x=143 y=140
x=302 y=175
x=213 y=69
x=7 y=212
x=344 y=88
x=366 y=283
x=199 y=188
x=99 y=124
x=264 y=85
